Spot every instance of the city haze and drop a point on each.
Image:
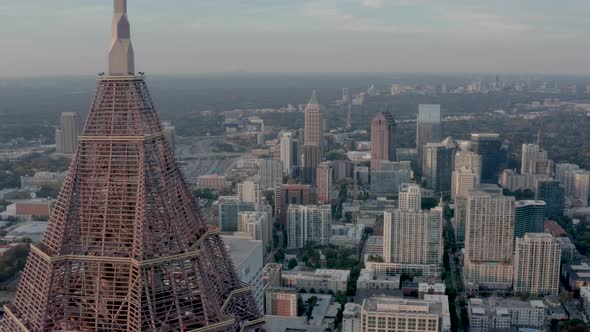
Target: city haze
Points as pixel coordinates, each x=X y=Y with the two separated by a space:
x=531 y=36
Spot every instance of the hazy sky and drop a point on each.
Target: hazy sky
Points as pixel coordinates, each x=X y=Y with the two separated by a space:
x=71 y=37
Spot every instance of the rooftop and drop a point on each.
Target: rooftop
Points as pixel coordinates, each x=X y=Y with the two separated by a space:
x=401 y=305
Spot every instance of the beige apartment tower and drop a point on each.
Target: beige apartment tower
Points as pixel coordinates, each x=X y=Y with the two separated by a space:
x=413 y=237
x=489 y=239
x=537 y=259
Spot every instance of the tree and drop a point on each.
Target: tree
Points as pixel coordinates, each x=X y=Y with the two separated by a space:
x=279 y=255
x=292 y=263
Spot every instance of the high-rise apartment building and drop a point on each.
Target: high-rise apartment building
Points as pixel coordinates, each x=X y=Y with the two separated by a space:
x=537 y=258
x=383 y=142
x=581 y=181
x=308 y=224
x=531 y=155
x=561 y=171
x=493 y=155
x=410 y=197
x=297 y=194
x=553 y=194
x=325 y=179
x=413 y=237
x=270 y=172
x=288 y=150
x=468 y=160
x=66 y=135
x=257 y=225
x=489 y=239
x=437 y=167
x=126 y=248
x=249 y=191
x=311 y=151
x=170 y=134
x=529 y=217
x=464 y=181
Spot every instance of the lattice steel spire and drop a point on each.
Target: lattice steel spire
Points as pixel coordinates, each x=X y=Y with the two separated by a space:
x=126 y=248
x=121 y=60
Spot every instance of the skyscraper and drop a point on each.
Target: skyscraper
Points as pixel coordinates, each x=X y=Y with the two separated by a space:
x=66 y=135
x=428 y=128
x=270 y=172
x=311 y=151
x=325 y=179
x=308 y=224
x=383 y=142
x=286 y=151
x=413 y=237
x=126 y=248
x=437 y=167
x=170 y=134
x=553 y=194
x=464 y=180
x=489 y=239
x=410 y=197
x=531 y=154
x=537 y=258
x=529 y=217
x=493 y=155
x=468 y=160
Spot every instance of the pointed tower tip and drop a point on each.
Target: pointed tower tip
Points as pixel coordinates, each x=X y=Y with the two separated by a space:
x=314 y=99
x=121 y=58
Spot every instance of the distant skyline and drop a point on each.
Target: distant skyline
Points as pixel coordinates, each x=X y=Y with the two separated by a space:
x=71 y=37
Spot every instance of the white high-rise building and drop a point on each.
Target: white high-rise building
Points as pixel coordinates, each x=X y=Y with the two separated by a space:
x=464 y=181
x=489 y=239
x=561 y=171
x=308 y=224
x=170 y=134
x=413 y=237
x=531 y=153
x=249 y=191
x=410 y=197
x=537 y=259
x=581 y=181
x=66 y=135
x=286 y=151
x=257 y=225
x=270 y=172
x=469 y=160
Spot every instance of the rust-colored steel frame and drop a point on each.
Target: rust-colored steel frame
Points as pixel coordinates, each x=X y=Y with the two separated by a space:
x=126 y=248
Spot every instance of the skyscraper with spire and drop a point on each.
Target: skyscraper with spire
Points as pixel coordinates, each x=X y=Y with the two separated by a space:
x=126 y=248
x=383 y=141
x=311 y=151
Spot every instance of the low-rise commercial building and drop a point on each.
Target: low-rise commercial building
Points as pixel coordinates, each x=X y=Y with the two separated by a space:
x=320 y=279
x=405 y=315
x=504 y=314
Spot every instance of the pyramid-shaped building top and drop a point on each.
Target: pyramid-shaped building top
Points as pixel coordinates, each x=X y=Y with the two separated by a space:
x=126 y=248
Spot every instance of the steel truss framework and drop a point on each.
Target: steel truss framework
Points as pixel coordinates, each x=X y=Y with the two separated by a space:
x=126 y=248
